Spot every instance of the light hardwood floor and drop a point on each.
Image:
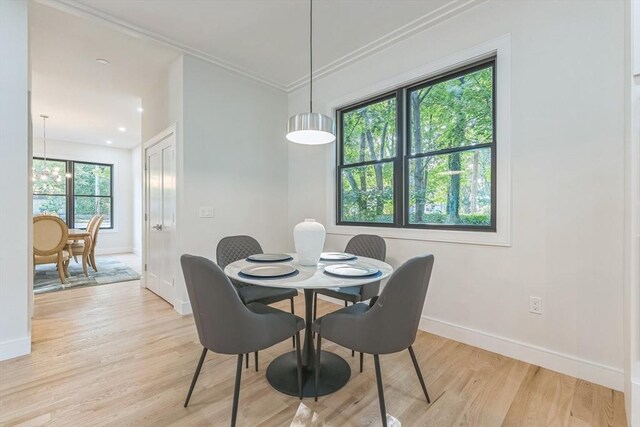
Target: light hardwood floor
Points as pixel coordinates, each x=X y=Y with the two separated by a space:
x=118 y=355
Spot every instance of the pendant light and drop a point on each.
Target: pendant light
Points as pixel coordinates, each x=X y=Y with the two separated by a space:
x=310 y=128
x=47 y=176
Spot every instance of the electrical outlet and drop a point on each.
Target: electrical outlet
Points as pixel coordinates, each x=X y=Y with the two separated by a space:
x=207 y=212
x=535 y=305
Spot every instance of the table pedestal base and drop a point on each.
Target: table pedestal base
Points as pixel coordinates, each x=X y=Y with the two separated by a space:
x=282 y=374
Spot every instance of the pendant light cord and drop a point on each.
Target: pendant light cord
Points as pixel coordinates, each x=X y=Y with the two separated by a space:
x=311 y=56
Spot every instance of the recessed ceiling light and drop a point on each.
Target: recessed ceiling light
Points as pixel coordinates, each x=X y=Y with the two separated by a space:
x=103 y=61
x=108 y=141
x=122 y=129
x=140 y=109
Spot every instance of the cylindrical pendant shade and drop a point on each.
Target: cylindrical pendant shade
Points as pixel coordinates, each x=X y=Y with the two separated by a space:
x=310 y=129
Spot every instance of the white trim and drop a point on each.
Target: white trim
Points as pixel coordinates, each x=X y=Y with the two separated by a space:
x=634 y=410
x=15 y=348
x=500 y=47
x=137 y=251
x=597 y=373
x=182 y=307
x=113 y=251
x=449 y=10
x=178 y=305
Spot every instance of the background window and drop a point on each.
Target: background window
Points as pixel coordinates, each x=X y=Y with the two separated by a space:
x=78 y=191
x=441 y=174
x=92 y=193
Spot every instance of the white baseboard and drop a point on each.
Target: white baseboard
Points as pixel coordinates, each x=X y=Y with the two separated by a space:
x=182 y=307
x=112 y=251
x=15 y=348
x=633 y=413
x=607 y=376
x=137 y=251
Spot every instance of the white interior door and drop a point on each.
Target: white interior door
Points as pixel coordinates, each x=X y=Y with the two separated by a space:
x=160 y=181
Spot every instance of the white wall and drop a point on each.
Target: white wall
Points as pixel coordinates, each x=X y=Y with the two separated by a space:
x=632 y=221
x=15 y=167
x=120 y=239
x=567 y=199
x=136 y=203
x=234 y=159
x=231 y=156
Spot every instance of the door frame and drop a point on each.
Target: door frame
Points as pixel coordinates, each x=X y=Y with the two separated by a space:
x=164 y=134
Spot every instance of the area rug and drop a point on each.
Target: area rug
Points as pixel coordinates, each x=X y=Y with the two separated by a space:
x=109 y=271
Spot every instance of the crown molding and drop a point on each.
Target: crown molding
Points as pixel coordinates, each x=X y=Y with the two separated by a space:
x=422 y=23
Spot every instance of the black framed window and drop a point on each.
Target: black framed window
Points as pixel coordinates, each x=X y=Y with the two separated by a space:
x=78 y=191
x=422 y=156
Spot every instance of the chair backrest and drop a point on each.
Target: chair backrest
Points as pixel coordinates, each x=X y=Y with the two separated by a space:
x=94 y=231
x=395 y=316
x=49 y=235
x=367 y=245
x=91 y=222
x=370 y=246
x=218 y=312
x=234 y=248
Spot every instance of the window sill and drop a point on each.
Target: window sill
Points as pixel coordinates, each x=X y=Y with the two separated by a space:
x=445 y=236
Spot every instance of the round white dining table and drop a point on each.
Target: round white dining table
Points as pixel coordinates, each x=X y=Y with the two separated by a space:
x=334 y=370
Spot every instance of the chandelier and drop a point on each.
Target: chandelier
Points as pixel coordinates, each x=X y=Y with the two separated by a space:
x=47 y=176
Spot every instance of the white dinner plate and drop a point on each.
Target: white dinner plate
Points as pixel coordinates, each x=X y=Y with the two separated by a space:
x=265 y=271
x=346 y=270
x=337 y=256
x=269 y=257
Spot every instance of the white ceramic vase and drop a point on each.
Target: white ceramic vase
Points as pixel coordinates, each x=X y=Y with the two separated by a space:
x=308 y=237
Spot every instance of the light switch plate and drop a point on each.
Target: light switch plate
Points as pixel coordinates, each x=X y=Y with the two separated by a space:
x=207 y=212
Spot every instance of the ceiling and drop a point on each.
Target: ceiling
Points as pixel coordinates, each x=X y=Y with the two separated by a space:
x=86 y=101
x=264 y=39
x=268 y=39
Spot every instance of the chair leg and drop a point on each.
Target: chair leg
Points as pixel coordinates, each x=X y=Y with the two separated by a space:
x=63 y=277
x=236 y=391
x=255 y=359
x=361 y=361
x=299 y=360
x=383 y=409
x=92 y=256
x=318 y=352
x=293 y=311
x=415 y=365
x=195 y=376
x=247 y=360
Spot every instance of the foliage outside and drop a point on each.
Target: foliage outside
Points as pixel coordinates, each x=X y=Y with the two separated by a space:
x=92 y=189
x=450 y=188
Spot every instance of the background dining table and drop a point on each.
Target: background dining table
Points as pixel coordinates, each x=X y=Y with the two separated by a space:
x=334 y=370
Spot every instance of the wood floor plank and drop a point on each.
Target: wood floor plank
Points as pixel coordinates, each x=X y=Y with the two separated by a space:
x=118 y=355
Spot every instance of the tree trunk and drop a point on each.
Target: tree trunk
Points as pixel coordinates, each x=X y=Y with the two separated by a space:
x=453 y=196
x=419 y=172
x=473 y=198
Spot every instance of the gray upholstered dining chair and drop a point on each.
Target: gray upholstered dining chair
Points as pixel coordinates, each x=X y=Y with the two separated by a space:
x=225 y=325
x=365 y=245
x=235 y=248
x=387 y=325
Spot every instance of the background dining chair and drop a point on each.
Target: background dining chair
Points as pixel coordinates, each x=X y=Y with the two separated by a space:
x=94 y=242
x=365 y=245
x=49 y=240
x=387 y=325
x=225 y=325
x=77 y=248
x=235 y=248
